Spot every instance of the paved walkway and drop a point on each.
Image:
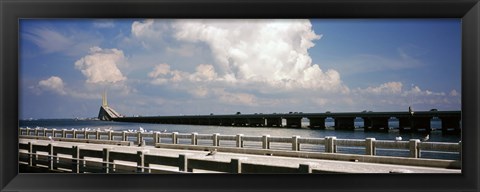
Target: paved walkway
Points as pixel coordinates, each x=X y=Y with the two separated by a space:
x=324 y=165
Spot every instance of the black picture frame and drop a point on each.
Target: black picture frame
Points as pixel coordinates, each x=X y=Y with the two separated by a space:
x=11 y=11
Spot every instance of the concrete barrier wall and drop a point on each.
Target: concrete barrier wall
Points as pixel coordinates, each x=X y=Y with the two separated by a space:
x=329 y=143
x=78 y=160
x=454 y=164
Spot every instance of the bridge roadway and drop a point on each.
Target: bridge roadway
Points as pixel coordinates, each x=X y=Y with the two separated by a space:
x=326 y=166
x=373 y=121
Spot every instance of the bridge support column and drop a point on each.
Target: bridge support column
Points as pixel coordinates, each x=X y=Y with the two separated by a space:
x=215 y=121
x=240 y=121
x=294 y=122
x=367 y=123
x=421 y=123
x=256 y=122
x=204 y=121
x=317 y=122
x=344 y=123
x=274 y=122
x=226 y=122
x=405 y=124
x=450 y=123
x=378 y=124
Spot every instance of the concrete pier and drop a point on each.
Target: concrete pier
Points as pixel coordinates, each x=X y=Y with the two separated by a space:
x=295 y=122
x=317 y=122
x=274 y=122
x=344 y=123
x=376 y=124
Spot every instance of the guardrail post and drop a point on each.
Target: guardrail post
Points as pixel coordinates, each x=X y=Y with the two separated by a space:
x=44 y=132
x=74 y=134
x=106 y=160
x=305 y=168
x=460 y=149
x=215 y=139
x=265 y=142
x=414 y=151
x=75 y=161
x=141 y=161
x=55 y=160
x=194 y=138
x=63 y=133
x=139 y=138
x=370 y=146
x=28 y=131
x=330 y=146
x=239 y=140
x=97 y=135
x=156 y=138
x=35 y=156
x=30 y=154
x=85 y=134
x=235 y=166
x=50 y=156
x=110 y=135
x=295 y=144
x=35 y=132
x=124 y=136
x=174 y=137
x=183 y=163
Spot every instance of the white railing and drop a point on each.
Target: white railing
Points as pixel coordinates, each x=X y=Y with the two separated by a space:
x=79 y=160
x=329 y=144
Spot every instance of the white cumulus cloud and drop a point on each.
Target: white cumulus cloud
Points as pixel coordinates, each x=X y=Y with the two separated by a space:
x=54 y=84
x=142 y=28
x=386 y=88
x=100 y=65
x=274 y=52
x=454 y=93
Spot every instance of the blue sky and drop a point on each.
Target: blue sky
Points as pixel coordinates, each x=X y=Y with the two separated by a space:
x=173 y=67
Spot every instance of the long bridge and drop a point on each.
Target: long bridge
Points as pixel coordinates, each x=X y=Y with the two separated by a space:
x=373 y=121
